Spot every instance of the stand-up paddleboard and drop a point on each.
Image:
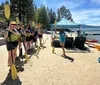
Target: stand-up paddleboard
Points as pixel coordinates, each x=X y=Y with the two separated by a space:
x=97 y=46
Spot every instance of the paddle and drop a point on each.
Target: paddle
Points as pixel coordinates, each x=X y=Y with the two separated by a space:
x=13 y=68
x=26 y=55
x=38 y=48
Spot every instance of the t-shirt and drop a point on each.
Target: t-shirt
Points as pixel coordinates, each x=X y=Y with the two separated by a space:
x=62 y=36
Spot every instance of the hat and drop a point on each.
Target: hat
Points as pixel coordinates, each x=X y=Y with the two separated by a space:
x=13 y=22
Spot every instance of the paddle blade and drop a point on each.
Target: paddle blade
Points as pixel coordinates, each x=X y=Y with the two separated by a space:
x=13 y=72
x=38 y=48
x=26 y=56
x=53 y=50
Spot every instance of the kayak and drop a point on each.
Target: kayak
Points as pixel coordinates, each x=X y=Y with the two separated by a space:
x=92 y=45
x=97 y=46
x=93 y=41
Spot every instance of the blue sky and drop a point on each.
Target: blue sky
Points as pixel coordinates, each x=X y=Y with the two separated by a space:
x=83 y=11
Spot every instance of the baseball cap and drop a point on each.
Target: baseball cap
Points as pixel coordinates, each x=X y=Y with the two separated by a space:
x=13 y=23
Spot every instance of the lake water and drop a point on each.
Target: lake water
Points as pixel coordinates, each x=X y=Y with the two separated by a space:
x=91 y=31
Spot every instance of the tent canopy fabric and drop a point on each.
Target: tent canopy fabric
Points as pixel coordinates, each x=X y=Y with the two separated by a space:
x=64 y=23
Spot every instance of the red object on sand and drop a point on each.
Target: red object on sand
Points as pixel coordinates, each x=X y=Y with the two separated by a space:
x=93 y=41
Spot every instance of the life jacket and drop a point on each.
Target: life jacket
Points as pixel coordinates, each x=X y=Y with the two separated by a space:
x=12 y=36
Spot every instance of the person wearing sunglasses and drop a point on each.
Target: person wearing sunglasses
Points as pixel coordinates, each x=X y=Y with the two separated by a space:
x=11 y=36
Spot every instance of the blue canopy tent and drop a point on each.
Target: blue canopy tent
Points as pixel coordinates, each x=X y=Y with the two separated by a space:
x=64 y=23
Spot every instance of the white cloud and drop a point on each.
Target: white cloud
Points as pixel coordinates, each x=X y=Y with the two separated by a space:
x=82 y=16
x=58 y=3
x=85 y=17
x=68 y=4
x=95 y=1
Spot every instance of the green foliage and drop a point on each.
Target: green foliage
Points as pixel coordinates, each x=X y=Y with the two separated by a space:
x=1 y=7
x=64 y=13
x=52 y=16
x=58 y=14
x=42 y=17
x=6 y=2
x=24 y=8
x=2 y=19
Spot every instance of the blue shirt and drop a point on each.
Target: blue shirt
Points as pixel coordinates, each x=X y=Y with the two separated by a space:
x=62 y=37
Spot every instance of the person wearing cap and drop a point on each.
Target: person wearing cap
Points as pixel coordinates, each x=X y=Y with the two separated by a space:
x=62 y=36
x=11 y=36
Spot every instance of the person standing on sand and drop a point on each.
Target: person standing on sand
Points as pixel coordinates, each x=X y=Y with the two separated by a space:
x=35 y=37
x=11 y=36
x=62 y=36
x=40 y=35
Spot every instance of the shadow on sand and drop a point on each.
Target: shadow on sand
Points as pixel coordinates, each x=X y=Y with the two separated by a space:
x=69 y=58
x=20 y=65
x=9 y=81
x=35 y=52
x=66 y=57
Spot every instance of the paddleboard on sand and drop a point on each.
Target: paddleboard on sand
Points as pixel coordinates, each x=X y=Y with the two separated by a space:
x=93 y=41
x=97 y=46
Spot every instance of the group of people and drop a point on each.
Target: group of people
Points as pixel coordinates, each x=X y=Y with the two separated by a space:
x=16 y=34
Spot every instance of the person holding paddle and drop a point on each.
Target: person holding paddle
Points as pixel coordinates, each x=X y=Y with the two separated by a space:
x=11 y=35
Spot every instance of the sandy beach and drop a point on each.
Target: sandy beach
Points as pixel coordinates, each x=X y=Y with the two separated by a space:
x=52 y=69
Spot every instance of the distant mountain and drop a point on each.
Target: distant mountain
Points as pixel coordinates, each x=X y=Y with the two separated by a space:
x=89 y=26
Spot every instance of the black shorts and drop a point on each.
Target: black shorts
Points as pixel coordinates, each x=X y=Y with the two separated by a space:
x=34 y=39
x=40 y=36
x=11 y=45
x=31 y=37
x=28 y=39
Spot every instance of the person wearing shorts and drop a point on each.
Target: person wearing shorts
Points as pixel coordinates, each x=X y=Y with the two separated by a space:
x=11 y=43
x=62 y=36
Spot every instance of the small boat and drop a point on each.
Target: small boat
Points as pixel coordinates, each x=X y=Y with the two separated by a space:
x=93 y=41
x=97 y=46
